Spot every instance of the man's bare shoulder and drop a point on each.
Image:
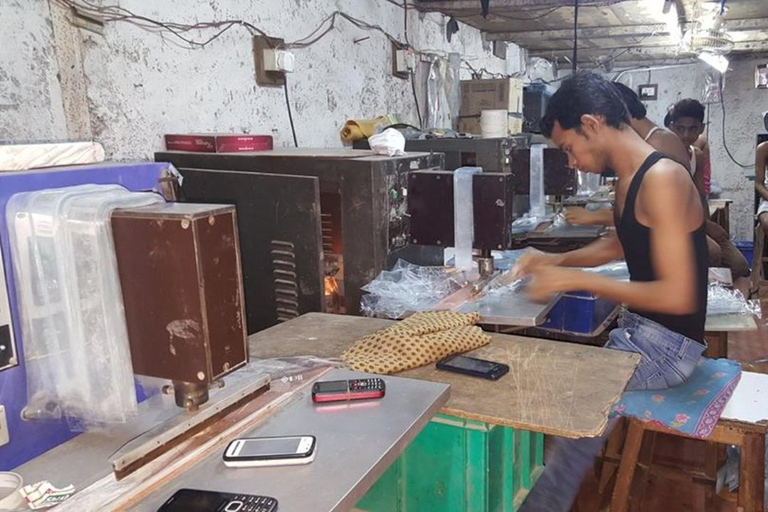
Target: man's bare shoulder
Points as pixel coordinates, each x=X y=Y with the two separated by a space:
x=668 y=173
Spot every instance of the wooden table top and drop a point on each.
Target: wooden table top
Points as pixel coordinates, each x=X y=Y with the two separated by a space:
x=552 y=387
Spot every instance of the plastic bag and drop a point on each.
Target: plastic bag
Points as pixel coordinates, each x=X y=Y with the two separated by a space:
x=711 y=89
x=725 y=301
x=390 y=142
x=408 y=288
x=76 y=348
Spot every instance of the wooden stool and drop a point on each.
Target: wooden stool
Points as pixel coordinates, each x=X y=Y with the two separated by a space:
x=744 y=423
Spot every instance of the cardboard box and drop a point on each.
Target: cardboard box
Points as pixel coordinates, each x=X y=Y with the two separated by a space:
x=497 y=94
x=472 y=125
x=217 y=143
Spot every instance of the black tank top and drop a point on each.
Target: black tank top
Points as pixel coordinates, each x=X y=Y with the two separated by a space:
x=635 y=239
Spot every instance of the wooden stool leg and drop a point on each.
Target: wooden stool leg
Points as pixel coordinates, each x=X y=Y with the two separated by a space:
x=621 y=493
x=717 y=345
x=752 y=473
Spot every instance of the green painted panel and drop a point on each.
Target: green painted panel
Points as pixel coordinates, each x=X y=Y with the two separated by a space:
x=462 y=466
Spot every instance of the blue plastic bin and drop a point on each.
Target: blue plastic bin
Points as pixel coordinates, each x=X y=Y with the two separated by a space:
x=747 y=248
x=579 y=313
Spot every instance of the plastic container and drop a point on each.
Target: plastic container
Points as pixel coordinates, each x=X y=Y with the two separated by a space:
x=10 y=497
x=580 y=313
x=72 y=319
x=494 y=124
x=536 y=190
x=463 y=215
x=747 y=248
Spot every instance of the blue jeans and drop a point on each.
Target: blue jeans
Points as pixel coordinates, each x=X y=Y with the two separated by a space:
x=667 y=360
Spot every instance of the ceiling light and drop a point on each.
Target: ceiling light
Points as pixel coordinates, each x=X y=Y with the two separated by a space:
x=719 y=62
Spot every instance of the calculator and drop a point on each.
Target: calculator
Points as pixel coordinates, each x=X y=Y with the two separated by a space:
x=344 y=390
x=194 y=500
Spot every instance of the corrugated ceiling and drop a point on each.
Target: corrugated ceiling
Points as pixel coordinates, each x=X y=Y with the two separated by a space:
x=613 y=33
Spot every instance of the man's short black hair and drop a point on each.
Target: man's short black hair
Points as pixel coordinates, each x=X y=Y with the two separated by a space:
x=688 y=108
x=584 y=93
x=634 y=105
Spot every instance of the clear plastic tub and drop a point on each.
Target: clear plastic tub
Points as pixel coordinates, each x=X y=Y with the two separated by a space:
x=73 y=324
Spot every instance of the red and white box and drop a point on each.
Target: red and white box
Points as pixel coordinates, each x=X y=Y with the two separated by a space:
x=217 y=142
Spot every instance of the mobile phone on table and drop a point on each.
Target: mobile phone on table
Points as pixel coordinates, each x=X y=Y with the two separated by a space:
x=344 y=390
x=270 y=451
x=194 y=500
x=473 y=366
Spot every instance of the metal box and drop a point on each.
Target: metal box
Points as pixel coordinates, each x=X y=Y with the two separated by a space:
x=179 y=267
x=506 y=155
x=430 y=206
x=362 y=205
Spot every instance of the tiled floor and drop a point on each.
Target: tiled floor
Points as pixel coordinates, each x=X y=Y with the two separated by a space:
x=668 y=496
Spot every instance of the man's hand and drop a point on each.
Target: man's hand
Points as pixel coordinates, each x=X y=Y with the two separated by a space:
x=530 y=260
x=578 y=215
x=549 y=280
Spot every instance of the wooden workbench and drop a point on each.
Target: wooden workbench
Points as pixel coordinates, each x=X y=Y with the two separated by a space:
x=554 y=388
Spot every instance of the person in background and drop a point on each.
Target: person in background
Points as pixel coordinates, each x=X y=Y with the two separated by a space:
x=659 y=138
x=761 y=185
x=688 y=123
x=703 y=144
x=660 y=219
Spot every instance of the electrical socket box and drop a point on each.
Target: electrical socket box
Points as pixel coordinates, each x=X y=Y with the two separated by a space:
x=4 y=437
x=265 y=76
x=278 y=60
x=403 y=61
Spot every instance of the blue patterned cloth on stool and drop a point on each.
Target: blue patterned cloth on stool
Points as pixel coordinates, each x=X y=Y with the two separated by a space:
x=692 y=408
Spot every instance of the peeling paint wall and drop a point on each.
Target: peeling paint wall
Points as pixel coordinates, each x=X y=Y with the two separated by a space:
x=743 y=106
x=140 y=85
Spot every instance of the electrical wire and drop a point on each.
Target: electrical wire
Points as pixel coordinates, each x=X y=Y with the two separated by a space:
x=416 y=99
x=575 y=35
x=290 y=113
x=725 y=145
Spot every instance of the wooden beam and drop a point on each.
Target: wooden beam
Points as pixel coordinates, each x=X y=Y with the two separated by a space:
x=614 y=31
x=645 y=49
x=586 y=33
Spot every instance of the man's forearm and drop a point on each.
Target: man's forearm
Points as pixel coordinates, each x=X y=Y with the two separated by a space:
x=655 y=296
x=602 y=251
x=762 y=190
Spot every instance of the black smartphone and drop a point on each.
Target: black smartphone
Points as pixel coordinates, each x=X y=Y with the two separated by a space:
x=194 y=500
x=473 y=366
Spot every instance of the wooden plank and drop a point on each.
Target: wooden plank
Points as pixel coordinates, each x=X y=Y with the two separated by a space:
x=556 y=388
x=752 y=473
x=631 y=452
x=730 y=323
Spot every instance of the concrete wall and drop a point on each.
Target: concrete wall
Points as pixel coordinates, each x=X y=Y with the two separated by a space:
x=743 y=105
x=128 y=87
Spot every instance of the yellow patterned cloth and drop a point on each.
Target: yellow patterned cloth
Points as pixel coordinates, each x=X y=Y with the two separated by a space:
x=421 y=339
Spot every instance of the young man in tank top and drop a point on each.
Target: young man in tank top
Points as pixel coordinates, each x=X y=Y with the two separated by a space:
x=659 y=217
x=659 y=138
x=688 y=124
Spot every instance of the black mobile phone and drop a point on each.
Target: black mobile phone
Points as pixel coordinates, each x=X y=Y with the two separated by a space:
x=194 y=500
x=343 y=390
x=473 y=366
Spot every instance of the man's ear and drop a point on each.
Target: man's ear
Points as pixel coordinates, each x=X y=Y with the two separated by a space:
x=590 y=123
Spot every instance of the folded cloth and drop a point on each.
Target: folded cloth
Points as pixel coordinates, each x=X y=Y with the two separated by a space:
x=356 y=129
x=421 y=339
x=692 y=408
